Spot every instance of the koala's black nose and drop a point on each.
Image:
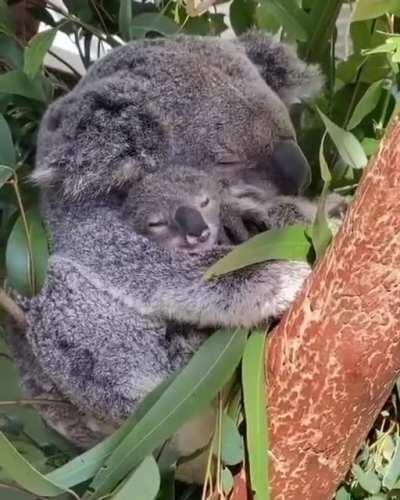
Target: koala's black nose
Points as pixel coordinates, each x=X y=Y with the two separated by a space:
x=191 y=222
x=289 y=168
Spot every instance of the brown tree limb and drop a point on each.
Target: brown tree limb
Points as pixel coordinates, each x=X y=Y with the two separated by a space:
x=12 y=309
x=333 y=360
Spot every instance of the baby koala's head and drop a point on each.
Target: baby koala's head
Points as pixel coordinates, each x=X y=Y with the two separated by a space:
x=177 y=208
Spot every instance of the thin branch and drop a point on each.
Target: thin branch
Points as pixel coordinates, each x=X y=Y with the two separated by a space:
x=12 y=309
x=66 y=64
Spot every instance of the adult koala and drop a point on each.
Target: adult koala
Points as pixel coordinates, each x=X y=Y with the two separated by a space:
x=96 y=332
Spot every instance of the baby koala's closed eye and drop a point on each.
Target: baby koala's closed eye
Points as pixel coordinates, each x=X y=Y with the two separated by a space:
x=179 y=210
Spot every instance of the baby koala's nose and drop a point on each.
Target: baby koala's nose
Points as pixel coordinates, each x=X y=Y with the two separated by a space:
x=202 y=238
x=192 y=225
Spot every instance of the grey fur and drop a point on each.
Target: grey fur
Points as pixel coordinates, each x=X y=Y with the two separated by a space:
x=99 y=331
x=181 y=211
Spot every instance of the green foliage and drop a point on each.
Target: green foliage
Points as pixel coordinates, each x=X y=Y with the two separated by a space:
x=337 y=133
x=253 y=381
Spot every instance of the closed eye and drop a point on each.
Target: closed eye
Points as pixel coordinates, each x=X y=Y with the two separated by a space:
x=157 y=224
x=205 y=202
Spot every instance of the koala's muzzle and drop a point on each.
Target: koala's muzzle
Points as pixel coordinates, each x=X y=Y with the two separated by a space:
x=192 y=224
x=290 y=169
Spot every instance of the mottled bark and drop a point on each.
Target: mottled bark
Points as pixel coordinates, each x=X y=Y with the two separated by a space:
x=334 y=358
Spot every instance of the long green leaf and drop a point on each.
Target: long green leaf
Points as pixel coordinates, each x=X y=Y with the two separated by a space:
x=26 y=257
x=293 y=19
x=5 y=174
x=36 y=50
x=17 y=83
x=392 y=472
x=323 y=16
x=7 y=24
x=253 y=382
x=20 y=471
x=85 y=466
x=321 y=234
x=125 y=19
x=366 y=104
x=198 y=383
x=7 y=151
x=371 y=9
x=232 y=450
x=152 y=22
x=289 y=243
x=346 y=143
x=368 y=481
x=143 y=483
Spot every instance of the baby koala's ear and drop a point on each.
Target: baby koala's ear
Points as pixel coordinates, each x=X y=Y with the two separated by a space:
x=280 y=67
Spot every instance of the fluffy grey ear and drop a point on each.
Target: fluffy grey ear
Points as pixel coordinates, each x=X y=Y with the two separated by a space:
x=280 y=67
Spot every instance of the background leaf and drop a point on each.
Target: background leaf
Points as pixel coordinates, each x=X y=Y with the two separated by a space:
x=347 y=145
x=36 y=50
x=143 y=483
x=26 y=264
x=125 y=18
x=7 y=151
x=23 y=473
x=253 y=379
x=366 y=104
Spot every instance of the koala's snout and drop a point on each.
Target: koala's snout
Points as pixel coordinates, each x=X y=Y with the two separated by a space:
x=192 y=225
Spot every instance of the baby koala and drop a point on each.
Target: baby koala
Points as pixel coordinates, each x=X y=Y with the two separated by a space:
x=180 y=211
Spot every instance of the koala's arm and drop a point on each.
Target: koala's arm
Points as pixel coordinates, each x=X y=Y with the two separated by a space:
x=170 y=284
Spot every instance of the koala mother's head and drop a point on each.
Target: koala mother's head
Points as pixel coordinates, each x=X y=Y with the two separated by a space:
x=181 y=101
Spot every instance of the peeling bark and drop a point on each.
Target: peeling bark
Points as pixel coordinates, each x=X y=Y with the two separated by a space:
x=333 y=360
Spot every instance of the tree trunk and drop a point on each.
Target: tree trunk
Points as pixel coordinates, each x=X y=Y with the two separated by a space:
x=333 y=360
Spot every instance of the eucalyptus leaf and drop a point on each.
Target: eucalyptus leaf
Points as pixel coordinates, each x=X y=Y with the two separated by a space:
x=392 y=473
x=20 y=471
x=368 y=480
x=27 y=255
x=143 y=483
x=7 y=151
x=125 y=18
x=289 y=243
x=191 y=391
x=85 y=466
x=370 y=9
x=321 y=234
x=343 y=494
x=5 y=174
x=36 y=50
x=346 y=143
x=253 y=383
x=16 y=82
x=10 y=51
x=7 y=24
x=232 y=449
x=152 y=22
x=366 y=104
x=227 y=480
x=241 y=15
x=293 y=19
